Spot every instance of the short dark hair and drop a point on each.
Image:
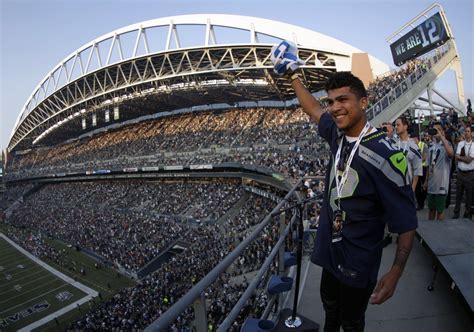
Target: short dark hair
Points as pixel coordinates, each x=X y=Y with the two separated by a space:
x=342 y=79
x=404 y=121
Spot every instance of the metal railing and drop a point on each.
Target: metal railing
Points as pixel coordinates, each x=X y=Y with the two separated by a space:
x=399 y=90
x=195 y=294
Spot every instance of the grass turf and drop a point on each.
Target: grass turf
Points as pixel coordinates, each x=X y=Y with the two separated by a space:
x=24 y=284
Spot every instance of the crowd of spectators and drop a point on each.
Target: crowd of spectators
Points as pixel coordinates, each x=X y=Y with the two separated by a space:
x=8 y=197
x=126 y=222
x=385 y=84
x=251 y=259
x=32 y=241
x=137 y=307
x=283 y=139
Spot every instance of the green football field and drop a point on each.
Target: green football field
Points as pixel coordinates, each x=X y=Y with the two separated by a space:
x=29 y=292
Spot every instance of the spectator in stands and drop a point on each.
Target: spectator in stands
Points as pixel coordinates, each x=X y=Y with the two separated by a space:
x=419 y=191
x=437 y=177
x=465 y=176
x=135 y=220
x=339 y=252
x=113 y=219
x=275 y=138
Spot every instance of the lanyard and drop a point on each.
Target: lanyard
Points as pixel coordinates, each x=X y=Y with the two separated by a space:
x=405 y=148
x=435 y=153
x=342 y=181
x=468 y=151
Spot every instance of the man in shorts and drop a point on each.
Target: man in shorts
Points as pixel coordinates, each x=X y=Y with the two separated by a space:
x=437 y=177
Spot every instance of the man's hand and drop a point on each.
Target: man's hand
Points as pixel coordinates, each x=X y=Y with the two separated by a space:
x=387 y=284
x=465 y=159
x=284 y=57
x=385 y=287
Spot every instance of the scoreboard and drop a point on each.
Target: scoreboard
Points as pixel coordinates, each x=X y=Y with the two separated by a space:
x=423 y=38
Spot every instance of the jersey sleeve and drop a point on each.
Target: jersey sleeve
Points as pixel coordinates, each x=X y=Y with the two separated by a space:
x=417 y=162
x=327 y=128
x=396 y=195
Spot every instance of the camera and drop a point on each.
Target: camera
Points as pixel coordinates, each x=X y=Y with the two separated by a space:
x=384 y=129
x=432 y=131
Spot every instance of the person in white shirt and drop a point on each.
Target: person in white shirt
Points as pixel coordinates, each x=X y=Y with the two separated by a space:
x=465 y=178
x=410 y=150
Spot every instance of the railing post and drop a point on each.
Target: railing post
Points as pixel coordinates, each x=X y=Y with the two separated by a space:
x=196 y=291
x=281 y=252
x=200 y=313
x=281 y=258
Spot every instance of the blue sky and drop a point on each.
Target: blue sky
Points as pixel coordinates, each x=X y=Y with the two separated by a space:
x=37 y=34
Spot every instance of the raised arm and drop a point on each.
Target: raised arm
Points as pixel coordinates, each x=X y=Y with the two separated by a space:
x=284 y=57
x=447 y=146
x=310 y=105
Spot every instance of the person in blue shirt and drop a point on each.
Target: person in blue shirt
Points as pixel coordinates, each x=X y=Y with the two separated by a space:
x=367 y=187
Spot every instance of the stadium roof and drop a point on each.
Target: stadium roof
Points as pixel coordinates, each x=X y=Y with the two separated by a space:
x=171 y=63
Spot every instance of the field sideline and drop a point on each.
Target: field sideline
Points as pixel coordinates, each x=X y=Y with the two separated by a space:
x=31 y=292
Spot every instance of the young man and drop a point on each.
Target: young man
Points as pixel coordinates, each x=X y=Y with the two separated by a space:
x=366 y=187
x=465 y=178
x=437 y=177
x=410 y=150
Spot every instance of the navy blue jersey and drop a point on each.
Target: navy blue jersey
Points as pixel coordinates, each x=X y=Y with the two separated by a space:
x=377 y=192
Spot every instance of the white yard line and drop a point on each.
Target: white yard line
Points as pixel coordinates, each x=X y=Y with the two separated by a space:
x=60 y=275
x=37 y=297
x=16 y=263
x=27 y=283
x=56 y=314
x=19 y=272
x=89 y=291
x=18 y=279
x=32 y=289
